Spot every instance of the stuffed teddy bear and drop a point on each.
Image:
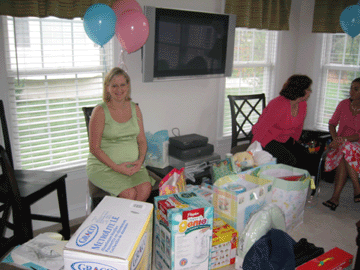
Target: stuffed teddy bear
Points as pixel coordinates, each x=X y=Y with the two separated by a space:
x=244 y=159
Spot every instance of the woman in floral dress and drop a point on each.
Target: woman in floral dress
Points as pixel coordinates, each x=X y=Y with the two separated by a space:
x=344 y=154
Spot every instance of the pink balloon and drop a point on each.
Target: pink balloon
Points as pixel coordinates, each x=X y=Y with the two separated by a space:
x=122 y=6
x=132 y=30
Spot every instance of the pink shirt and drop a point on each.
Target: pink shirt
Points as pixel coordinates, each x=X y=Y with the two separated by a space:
x=277 y=123
x=348 y=123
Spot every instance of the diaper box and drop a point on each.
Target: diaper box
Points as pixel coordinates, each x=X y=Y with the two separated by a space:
x=236 y=197
x=183 y=225
x=117 y=235
x=334 y=259
x=224 y=244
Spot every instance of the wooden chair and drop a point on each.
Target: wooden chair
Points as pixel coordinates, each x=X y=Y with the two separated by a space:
x=245 y=111
x=95 y=194
x=32 y=186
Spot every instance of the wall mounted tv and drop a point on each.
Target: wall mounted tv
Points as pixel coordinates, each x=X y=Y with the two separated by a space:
x=186 y=44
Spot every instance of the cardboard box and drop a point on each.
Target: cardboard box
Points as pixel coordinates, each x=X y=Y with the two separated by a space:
x=334 y=259
x=224 y=244
x=235 y=205
x=117 y=235
x=183 y=227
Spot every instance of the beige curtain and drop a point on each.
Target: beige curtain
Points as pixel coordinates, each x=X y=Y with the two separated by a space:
x=327 y=15
x=67 y=9
x=261 y=14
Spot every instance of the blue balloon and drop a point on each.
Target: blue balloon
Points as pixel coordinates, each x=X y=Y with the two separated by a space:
x=350 y=20
x=99 y=23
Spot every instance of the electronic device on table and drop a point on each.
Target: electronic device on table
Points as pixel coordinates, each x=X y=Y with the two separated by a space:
x=195 y=154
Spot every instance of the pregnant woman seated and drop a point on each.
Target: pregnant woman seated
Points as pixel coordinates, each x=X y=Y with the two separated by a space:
x=118 y=143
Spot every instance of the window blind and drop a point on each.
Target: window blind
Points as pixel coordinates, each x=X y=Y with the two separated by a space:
x=340 y=65
x=52 y=74
x=254 y=61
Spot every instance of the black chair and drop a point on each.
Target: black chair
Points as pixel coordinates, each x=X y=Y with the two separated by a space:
x=95 y=194
x=11 y=231
x=245 y=111
x=32 y=185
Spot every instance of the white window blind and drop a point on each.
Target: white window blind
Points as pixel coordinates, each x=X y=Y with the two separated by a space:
x=53 y=70
x=340 y=65
x=254 y=61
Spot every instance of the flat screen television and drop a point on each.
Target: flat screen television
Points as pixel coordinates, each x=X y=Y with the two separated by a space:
x=185 y=44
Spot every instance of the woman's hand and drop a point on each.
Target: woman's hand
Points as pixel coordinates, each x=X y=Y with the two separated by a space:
x=136 y=165
x=128 y=168
x=125 y=168
x=337 y=142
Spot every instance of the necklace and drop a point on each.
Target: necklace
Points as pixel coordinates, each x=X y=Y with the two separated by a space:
x=294 y=109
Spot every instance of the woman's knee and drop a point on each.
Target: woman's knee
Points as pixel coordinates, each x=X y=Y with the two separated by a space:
x=143 y=191
x=129 y=193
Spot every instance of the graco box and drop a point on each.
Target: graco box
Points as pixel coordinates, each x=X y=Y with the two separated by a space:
x=116 y=236
x=182 y=231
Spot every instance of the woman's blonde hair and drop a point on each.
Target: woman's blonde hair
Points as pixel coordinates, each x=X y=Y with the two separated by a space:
x=116 y=71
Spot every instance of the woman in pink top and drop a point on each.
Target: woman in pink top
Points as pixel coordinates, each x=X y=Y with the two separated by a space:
x=281 y=123
x=344 y=152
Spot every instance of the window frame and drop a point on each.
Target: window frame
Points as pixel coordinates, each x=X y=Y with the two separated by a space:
x=9 y=93
x=324 y=67
x=270 y=63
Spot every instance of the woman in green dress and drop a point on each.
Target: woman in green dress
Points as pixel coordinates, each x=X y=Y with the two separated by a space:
x=117 y=142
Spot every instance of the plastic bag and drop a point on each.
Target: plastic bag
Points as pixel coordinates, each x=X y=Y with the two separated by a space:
x=260 y=156
x=40 y=253
x=157 y=154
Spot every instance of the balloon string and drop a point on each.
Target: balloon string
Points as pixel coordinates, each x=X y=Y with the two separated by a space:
x=104 y=59
x=122 y=61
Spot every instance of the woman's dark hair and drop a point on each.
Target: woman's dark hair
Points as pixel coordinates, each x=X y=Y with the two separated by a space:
x=295 y=86
x=356 y=80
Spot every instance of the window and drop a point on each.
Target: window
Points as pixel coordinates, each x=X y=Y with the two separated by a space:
x=254 y=60
x=59 y=71
x=340 y=65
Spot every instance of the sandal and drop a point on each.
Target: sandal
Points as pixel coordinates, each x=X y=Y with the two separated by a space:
x=357 y=198
x=330 y=205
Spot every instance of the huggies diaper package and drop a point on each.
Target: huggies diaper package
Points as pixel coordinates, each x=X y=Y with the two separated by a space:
x=183 y=227
x=116 y=236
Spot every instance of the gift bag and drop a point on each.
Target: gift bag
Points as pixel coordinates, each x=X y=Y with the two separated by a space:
x=238 y=196
x=290 y=189
x=222 y=168
x=157 y=154
x=173 y=182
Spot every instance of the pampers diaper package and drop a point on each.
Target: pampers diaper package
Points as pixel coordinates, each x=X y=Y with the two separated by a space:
x=116 y=236
x=183 y=229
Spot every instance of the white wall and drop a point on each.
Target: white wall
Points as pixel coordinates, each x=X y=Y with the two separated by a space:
x=192 y=105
